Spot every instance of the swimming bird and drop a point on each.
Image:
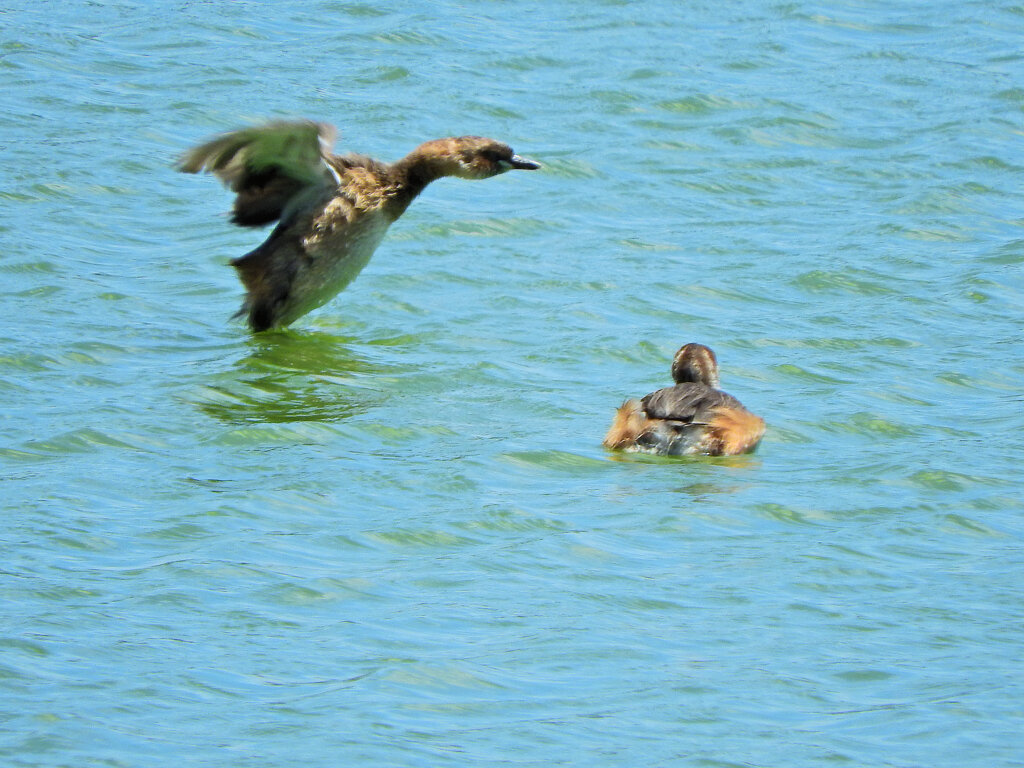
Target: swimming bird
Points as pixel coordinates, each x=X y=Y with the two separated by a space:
x=331 y=210
x=693 y=417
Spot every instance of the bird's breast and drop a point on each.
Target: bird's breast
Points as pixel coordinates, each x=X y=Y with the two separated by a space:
x=335 y=256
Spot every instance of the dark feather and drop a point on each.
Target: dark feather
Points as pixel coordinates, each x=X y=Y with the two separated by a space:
x=686 y=402
x=267 y=166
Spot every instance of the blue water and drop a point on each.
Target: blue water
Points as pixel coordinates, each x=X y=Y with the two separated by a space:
x=389 y=536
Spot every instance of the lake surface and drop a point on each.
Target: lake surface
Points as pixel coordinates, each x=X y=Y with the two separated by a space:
x=389 y=536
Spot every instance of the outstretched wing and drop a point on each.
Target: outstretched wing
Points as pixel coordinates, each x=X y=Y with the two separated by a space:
x=267 y=166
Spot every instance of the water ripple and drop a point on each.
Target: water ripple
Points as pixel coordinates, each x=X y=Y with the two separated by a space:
x=390 y=535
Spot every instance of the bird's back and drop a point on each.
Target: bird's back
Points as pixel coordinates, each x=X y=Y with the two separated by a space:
x=683 y=420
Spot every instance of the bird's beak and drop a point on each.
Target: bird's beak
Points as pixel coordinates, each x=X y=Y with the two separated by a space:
x=523 y=164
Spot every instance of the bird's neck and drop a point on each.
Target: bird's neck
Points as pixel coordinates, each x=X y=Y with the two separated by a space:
x=413 y=173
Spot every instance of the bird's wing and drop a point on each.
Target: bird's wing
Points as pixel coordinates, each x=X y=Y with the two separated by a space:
x=687 y=403
x=267 y=166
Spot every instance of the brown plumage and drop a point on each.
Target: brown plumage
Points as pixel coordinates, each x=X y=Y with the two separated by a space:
x=332 y=211
x=692 y=417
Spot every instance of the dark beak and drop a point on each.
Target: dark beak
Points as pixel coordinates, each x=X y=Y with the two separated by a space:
x=523 y=164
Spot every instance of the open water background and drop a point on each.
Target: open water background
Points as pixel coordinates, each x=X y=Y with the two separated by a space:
x=389 y=536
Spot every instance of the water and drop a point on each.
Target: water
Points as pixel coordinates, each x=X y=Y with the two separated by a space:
x=389 y=536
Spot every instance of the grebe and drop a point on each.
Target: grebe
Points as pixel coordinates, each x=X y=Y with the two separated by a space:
x=332 y=211
x=693 y=417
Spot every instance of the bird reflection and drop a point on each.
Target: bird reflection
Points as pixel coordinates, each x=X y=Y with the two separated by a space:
x=292 y=376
